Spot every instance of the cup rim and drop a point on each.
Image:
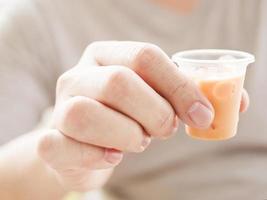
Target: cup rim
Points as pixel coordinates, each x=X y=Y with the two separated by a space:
x=246 y=57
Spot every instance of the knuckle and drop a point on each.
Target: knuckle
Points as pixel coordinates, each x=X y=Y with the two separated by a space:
x=121 y=75
x=46 y=145
x=165 y=122
x=64 y=82
x=118 y=84
x=91 y=46
x=89 y=49
x=181 y=88
x=145 y=56
x=74 y=116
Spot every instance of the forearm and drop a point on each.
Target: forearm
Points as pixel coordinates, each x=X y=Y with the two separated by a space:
x=23 y=175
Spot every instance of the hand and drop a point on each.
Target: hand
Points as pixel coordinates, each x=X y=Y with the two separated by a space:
x=118 y=96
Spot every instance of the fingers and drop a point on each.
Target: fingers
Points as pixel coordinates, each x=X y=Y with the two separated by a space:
x=157 y=69
x=123 y=90
x=244 y=101
x=64 y=154
x=89 y=121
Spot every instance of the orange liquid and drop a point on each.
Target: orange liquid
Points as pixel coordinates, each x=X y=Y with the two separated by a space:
x=225 y=96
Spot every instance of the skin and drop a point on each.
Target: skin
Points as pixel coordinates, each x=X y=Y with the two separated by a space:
x=119 y=96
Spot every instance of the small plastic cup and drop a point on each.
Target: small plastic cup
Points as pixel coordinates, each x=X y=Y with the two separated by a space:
x=220 y=75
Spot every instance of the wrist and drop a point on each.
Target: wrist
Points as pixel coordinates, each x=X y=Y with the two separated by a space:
x=23 y=175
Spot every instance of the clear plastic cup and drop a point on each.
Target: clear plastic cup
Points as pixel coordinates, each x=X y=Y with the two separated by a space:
x=220 y=75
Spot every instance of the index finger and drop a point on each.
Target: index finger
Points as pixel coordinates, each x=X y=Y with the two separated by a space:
x=158 y=70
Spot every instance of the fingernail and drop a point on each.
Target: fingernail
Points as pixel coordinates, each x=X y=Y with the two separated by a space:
x=146 y=141
x=176 y=123
x=113 y=156
x=173 y=131
x=200 y=115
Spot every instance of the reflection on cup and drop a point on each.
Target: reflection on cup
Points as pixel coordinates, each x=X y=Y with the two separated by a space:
x=220 y=75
